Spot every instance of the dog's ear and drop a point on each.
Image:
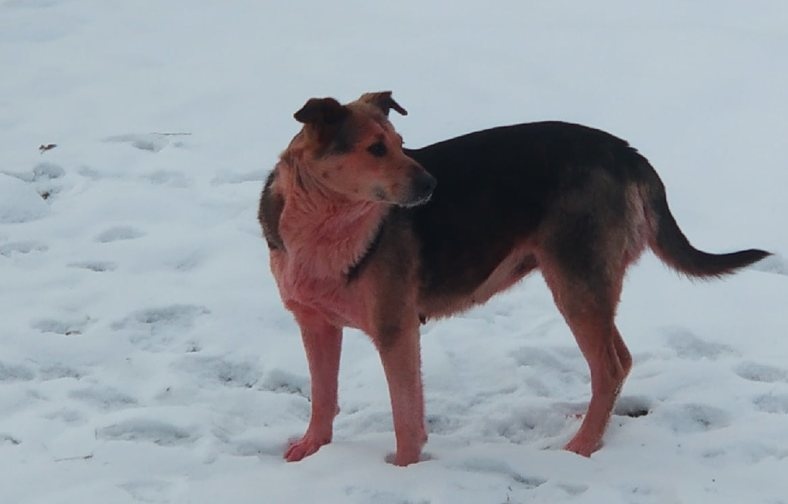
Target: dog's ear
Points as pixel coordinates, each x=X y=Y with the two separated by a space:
x=383 y=101
x=321 y=112
x=323 y=118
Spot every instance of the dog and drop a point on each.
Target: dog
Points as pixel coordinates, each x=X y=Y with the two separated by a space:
x=367 y=234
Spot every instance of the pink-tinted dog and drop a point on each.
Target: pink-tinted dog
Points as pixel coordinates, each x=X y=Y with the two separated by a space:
x=363 y=233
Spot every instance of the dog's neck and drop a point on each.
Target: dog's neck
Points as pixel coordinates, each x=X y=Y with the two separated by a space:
x=325 y=235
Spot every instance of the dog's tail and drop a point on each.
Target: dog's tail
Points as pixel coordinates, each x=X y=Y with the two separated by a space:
x=672 y=247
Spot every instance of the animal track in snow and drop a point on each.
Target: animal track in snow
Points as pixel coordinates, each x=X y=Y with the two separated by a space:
x=221 y=371
x=22 y=247
x=19 y=202
x=632 y=406
x=105 y=398
x=492 y=466
x=118 y=233
x=442 y=424
x=141 y=429
x=150 y=142
x=573 y=489
x=64 y=327
x=169 y=178
x=14 y=372
x=535 y=424
x=58 y=371
x=97 y=266
x=149 y=491
x=69 y=416
x=153 y=326
x=689 y=346
x=692 y=418
x=9 y=439
x=45 y=179
x=772 y=403
x=279 y=380
x=753 y=371
x=253 y=447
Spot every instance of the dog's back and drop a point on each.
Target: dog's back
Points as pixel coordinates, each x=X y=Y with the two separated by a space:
x=581 y=193
x=497 y=186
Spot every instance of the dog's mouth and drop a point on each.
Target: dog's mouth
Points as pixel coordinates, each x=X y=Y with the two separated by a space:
x=417 y=202
x=421 y=189
x=420 y=193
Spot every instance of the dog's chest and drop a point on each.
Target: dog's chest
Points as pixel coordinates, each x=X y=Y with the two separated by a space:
x=339 y=301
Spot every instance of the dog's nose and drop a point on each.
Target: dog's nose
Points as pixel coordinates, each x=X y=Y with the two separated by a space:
x=422 y=186
x=425 y=183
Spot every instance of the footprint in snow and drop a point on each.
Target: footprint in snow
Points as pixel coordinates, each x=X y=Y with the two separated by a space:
x=150 y=491
x=753 y=371
x=217 y=370
x=632 y=406
x=692 y=418
x=147 y=430
x=72 y=327
x=442 y=424
x=19 y=202
x=688 y=346
x=14 y=373
x=22 y=247
x=46 y=179
x=279 y=380
x=772 y=403
x=493 y=466
x=573 y=489
x=97 y=266
x=105 y=398
x=118 y=233
x=254 y=447
x=532 y=425
x=59 y=371
x=153 y=327
x=539 y=357
x=9 y=439
x=168 y=178
x=150 y=142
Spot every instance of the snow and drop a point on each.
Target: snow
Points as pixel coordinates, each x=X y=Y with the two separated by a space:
x=145 y=355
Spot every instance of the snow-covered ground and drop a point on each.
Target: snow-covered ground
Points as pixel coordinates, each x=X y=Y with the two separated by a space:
x=144 y=353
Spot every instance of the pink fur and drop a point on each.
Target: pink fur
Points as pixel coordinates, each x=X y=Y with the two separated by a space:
x=324 y=238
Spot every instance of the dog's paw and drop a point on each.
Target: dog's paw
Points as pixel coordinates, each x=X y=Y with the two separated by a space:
x=583 y=445
x=305 y=447
x=406 y=459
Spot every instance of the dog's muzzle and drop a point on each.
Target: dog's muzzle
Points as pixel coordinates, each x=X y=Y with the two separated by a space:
x=421 y=187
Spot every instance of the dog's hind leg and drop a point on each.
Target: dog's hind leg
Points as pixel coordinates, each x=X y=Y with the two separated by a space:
x=590 y=317
x=608 y=372
x=585 y=276
x=323 y=344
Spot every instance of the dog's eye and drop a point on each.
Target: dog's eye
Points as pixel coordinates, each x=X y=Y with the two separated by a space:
x=377 y=149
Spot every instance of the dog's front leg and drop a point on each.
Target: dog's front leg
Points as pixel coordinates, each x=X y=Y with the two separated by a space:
x=323 y=343
x=400 y=352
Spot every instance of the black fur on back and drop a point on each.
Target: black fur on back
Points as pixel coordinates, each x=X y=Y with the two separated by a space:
x=496 y=186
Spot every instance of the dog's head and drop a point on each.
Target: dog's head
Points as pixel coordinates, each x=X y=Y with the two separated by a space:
x=354 y=151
